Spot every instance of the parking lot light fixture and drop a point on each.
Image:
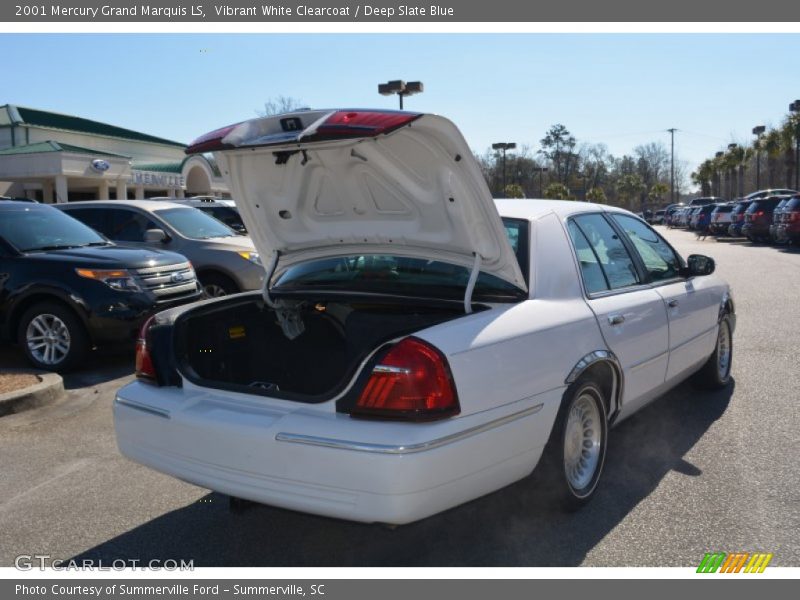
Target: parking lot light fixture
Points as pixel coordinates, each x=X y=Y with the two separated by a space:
x=504 y=146
x=757 y=131
x=401 y=88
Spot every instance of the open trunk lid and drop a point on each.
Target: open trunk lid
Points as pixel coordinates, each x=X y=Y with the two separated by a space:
x=324 y=183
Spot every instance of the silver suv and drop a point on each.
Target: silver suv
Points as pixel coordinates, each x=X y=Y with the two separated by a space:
x=226 y=263
x=220 y=208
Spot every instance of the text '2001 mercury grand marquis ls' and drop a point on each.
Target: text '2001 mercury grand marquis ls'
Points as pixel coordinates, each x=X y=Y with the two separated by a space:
x=417 y=344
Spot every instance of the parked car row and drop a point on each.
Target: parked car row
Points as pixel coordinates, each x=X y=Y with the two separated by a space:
x=87 y=274
x=762 y=217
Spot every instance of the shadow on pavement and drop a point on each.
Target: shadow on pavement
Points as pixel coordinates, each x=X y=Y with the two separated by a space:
x=511 y=527
x=101 y=365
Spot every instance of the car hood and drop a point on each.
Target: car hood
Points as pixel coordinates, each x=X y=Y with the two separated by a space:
x=112 y=257
x=233 y=243
x=332 y=186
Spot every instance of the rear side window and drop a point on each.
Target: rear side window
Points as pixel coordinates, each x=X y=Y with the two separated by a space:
x=592 y=274
x=660 y=261
x=128 y=225
x=612 y=256
x=93 y=217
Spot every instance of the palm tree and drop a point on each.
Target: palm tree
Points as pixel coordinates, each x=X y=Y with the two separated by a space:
x=704 y=177
x=628 y=187
x=787 y=137
x=772 y=146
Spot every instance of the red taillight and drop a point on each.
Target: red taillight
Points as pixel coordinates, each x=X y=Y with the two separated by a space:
x=346 y=123
x=792 y=216
x=211 y=141
x=412 y=381
x=758 y=213
x=145 y=370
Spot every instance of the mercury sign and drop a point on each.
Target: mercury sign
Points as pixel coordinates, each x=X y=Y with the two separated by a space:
x=101 y=165
x=165 y=180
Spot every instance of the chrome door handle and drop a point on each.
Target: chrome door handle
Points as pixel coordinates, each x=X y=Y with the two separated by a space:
x=616 y=319
x=673 y=303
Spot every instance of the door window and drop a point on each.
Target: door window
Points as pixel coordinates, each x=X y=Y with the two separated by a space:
x=128 y=225
x=609 y=252
x=660 y=261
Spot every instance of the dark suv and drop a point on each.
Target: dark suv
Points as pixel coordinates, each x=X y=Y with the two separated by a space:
x=64 y=288
x=789 y=227
x=737 y=217
x=758 y=218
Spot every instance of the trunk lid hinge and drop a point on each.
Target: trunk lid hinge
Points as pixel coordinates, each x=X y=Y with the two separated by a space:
x=473 y=277
x=288 y=313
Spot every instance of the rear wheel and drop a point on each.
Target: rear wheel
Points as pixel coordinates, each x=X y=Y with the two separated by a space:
x=573 y=458
x=52 y=337
x=716 y=373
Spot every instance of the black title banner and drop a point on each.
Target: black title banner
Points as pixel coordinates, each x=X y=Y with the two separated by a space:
x=710 y=11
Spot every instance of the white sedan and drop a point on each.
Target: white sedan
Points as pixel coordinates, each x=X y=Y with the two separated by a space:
x=417 y=344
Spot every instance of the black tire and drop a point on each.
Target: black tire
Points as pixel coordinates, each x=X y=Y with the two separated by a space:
x=67 y=329
x=716 y=375
x=216 y=285
x=553 y=467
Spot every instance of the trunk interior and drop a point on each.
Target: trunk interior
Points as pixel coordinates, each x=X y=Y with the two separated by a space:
x=240 y=345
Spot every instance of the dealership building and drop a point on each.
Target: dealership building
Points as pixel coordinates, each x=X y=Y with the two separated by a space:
x=52 y=157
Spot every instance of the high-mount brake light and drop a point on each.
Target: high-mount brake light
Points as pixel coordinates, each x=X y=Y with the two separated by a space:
x=145 y=369
x=361 y=123
x=411 y=382
x=211 y=141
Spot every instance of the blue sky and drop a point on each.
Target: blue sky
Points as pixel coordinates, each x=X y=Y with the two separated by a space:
x=620 y=89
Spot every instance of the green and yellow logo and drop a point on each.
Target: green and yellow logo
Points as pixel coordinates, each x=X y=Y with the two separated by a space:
x=734 y=562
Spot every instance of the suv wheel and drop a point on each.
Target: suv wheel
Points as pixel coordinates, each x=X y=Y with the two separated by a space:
x=216 y=285
x=52 y=337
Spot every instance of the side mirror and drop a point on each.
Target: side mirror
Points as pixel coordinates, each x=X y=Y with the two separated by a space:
x=154 y=236
x=699 y=265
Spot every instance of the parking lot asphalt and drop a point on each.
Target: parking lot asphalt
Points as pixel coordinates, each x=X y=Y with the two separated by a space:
x=694 y=472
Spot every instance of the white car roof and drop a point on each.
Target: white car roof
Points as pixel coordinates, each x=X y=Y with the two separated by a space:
x=143 y=204
x=532 y=209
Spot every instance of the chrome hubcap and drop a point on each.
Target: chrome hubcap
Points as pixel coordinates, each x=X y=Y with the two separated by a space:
x=48 y=339
x=582 y=442
x=724 y=351
x=213 y=290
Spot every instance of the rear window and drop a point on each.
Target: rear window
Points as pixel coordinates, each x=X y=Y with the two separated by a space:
x=793 y=204
x=403 y=276
x=726 y=208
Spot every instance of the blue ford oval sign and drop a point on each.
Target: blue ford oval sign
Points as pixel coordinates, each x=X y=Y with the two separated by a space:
x=101 y=165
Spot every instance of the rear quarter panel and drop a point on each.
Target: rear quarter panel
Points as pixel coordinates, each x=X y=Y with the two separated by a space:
x=519 y=351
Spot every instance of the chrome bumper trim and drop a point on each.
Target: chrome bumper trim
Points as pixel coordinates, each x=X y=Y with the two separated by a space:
x=159 y=412
x=311 y=440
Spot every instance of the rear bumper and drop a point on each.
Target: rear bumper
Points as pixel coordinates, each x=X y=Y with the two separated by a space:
x=328 y=463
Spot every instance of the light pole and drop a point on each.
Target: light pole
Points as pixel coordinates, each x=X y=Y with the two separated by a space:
x=401 y=88
x=795 y=108
x=504 y=146
x=672 y=131
x=757 y=131
x=540 y=171
x=719 y=155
